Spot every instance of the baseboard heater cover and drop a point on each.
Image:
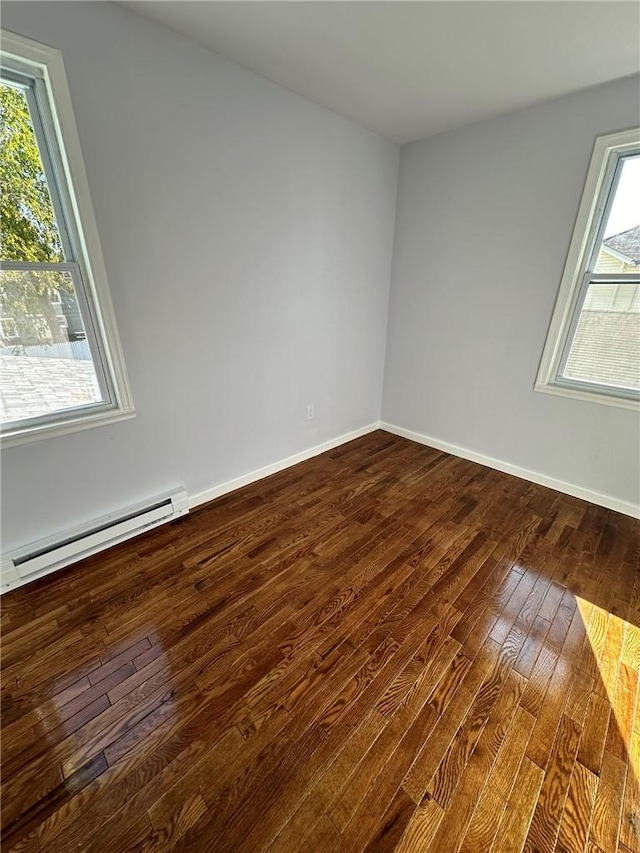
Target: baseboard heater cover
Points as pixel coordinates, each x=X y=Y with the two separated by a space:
x=48 y=555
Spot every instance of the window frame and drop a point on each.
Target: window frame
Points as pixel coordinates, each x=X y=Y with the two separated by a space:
x=597 y=197
x=55 y=128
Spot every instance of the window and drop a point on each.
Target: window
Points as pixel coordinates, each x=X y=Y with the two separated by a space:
x=593 y=345
x=61 y=366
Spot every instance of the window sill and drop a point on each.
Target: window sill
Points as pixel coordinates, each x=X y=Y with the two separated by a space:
x=588 y=396
x=28 y=435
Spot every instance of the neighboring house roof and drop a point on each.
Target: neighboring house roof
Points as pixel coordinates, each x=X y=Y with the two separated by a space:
x=627 y=243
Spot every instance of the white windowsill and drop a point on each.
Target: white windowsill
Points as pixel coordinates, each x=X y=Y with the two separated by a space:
x=27 y=435
x=588 y=396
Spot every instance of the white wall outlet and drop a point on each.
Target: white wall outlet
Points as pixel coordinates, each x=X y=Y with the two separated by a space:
x=310 y=412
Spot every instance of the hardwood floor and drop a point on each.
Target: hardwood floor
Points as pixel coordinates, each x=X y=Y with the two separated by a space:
x=383 y=648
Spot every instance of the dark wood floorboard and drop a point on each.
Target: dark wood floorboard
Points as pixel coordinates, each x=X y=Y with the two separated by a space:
x=384 y=648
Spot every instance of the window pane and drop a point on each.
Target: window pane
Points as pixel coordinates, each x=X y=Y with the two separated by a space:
x=29 y=230
x=45 y=361
x=606 y=345
x=620 y=248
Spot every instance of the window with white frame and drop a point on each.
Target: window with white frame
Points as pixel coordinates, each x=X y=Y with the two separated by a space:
x=61 y=365
x=593 y=346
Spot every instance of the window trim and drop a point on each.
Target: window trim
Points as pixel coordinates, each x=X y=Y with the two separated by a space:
x=47 y=64
x=589 y=225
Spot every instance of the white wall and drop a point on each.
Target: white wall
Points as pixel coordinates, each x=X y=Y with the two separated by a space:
x=247 y=235
x=484 y=219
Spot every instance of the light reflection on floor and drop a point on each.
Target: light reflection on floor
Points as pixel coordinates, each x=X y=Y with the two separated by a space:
x=615 y=645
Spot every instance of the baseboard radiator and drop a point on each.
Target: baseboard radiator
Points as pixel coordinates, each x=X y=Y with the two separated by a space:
x=49 y=555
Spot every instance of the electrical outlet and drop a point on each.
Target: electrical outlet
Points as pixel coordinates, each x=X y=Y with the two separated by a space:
x=310 y=412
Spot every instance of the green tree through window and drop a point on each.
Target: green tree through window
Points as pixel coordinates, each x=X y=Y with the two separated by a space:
x=29 y=231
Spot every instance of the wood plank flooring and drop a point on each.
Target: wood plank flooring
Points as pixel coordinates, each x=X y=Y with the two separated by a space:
x=383 y=648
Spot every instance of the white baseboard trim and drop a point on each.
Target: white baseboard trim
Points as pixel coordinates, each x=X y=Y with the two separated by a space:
x=260 y=473
x=10 y=579
x=607 y=501
x=217 y=491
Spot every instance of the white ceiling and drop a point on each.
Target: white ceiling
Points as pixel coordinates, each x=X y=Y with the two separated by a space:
x=412 y=69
